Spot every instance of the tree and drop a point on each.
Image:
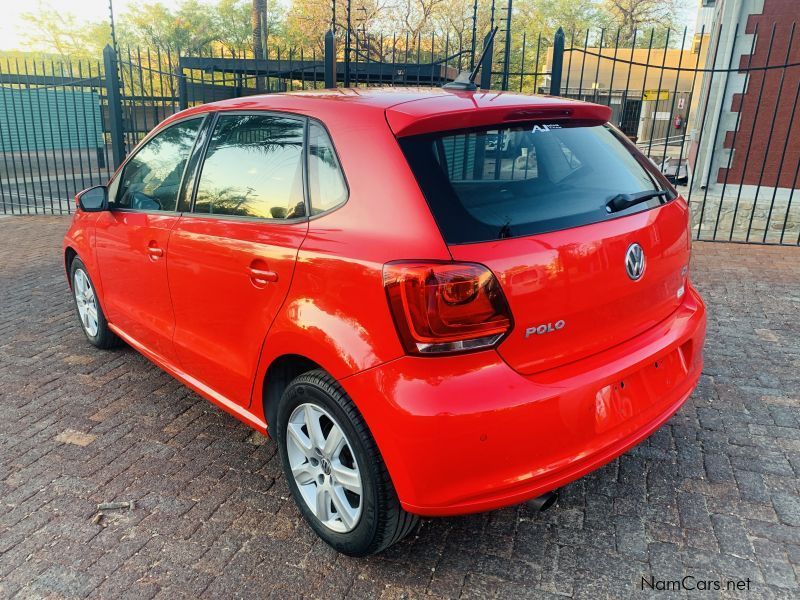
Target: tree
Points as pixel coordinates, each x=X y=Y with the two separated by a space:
x=273 y=20
x=190 y=28
x=308 y=20
x=235 y=26
x=306 y=23
x=233 y=31
x=546 y=16
x=418 y=15
x=456 y=18
x=630 y=16
x=52 y=31
x=258 y=16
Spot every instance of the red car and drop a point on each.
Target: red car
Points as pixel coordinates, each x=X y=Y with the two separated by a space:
x=437 y=302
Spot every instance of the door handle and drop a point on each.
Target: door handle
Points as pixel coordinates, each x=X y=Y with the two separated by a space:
x=154 y=251
x=261 y=277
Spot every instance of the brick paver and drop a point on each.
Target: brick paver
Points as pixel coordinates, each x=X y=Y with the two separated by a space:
x=713 y=494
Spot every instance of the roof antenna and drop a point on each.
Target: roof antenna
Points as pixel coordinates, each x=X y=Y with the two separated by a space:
x=466 y=79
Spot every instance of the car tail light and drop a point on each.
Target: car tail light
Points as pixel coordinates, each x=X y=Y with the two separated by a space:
x=446 y=307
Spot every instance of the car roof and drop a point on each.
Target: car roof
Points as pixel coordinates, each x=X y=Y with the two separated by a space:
x=382 y=97
x=413 y=110
x=379 y=98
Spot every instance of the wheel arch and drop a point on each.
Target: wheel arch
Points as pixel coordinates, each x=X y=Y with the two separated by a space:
x=73 y=250
x=304 y=337
x=279 y=374
x=69 y=255
x=281 y=371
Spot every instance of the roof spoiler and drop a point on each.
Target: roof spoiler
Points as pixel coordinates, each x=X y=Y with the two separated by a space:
x=404 y=122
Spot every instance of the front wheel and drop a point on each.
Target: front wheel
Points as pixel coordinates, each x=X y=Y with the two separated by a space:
x=90 y=313
x=334 y=469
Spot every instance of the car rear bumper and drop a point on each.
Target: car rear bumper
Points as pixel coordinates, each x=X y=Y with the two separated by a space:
x=467 y=433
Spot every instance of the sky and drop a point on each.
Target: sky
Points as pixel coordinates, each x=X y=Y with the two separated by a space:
x=11 y=24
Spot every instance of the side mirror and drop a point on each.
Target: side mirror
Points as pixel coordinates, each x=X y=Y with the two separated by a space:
x=93 y=199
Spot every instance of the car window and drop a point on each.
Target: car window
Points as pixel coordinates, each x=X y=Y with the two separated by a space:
x=152 y=177
x=253 y=168
x=326 y=185
x=500 y=155
x=515 y=180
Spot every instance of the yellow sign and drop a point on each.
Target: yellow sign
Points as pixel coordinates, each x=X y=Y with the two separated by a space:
x=655 y=95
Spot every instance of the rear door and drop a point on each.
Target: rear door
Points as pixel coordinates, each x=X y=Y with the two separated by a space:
x=531 y=202
x=132 y=239
x=232 y=257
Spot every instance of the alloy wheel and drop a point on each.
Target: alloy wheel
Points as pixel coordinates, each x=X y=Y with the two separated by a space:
x=87 y=302
x=324 y=467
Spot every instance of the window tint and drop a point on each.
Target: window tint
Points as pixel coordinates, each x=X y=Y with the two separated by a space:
x=151 y=179
x=253 y=168
x=326 y=186
x=519 y=180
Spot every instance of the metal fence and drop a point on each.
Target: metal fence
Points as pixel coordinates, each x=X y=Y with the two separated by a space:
x=53 y=134
x=722 y=124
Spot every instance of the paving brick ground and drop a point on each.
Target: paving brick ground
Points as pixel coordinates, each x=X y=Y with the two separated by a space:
x=713 y=494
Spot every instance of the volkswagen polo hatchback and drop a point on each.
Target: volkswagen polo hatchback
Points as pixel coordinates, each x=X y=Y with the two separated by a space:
x=436 y=302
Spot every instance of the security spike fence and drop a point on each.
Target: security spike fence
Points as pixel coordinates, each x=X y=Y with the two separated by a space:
x=722 y=125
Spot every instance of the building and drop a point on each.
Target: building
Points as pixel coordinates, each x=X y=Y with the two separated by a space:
x=746 y=132
x=646 y=88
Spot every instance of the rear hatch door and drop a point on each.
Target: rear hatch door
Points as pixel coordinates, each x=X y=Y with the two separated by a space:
x=570 y=293
x=537 y=201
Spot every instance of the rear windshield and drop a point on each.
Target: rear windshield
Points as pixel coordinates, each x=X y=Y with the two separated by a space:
x=509 y=181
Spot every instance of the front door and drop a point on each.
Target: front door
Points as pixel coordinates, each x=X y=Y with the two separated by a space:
x=232 y=258
x=132 y=239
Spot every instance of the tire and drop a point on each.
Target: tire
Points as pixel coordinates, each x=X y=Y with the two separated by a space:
x=93 y=324
x=365 y=526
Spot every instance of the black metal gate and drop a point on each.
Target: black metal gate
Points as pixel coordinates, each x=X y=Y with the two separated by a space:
x=53 y=119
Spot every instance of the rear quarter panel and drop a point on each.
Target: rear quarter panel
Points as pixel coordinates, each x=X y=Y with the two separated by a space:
x=336 y=313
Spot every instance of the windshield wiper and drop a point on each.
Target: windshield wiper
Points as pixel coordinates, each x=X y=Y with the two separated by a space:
x=623 y=201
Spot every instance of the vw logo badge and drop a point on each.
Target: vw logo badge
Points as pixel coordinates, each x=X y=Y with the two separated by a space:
x=326 y=466
x=634 y=262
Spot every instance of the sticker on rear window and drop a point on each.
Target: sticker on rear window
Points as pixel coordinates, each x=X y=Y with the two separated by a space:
x=545 y=127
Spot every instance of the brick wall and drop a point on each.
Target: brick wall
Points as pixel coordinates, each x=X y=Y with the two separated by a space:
x=753 y=149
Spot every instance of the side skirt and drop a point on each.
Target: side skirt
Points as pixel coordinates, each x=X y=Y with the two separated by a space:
x=201 y=388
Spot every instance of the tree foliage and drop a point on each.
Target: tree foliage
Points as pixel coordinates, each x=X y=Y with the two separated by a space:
x=193 y=26
x=189 y=27
x=546 y=16
x=52 y=31
x=631 y=16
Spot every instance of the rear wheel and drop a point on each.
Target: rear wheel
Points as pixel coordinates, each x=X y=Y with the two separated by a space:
x=90 y=313
x=334 y=469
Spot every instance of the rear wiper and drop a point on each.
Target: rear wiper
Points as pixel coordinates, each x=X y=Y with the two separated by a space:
x=623 y=201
